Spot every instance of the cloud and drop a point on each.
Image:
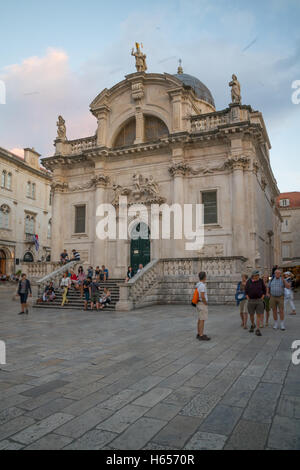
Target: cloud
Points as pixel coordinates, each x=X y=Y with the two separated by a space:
x=41 y=88
x=38 y=90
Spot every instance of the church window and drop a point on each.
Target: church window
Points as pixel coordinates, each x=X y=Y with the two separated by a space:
x=154 y=129
x=80 y=219
x=209 y=201
x=126 y=135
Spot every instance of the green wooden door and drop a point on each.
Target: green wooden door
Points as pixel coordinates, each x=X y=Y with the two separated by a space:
x=140 y=246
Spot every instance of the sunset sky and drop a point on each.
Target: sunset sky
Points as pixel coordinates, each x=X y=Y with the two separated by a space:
x=56 y=56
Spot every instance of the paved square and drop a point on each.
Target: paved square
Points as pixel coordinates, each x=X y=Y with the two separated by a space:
x=140 y=380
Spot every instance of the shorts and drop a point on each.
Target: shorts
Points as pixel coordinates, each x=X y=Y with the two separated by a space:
x=256 y=306
x=23 y=298
x=277 y=302
x=95 y=298
x=243 y=306
x=202 y=311
x=267 y=303
x=87 y=295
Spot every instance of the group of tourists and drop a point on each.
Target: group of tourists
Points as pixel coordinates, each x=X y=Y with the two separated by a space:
x=89 y=286
x=255 y=296
x=259 y=295
x=64 y=257
x=130 y=272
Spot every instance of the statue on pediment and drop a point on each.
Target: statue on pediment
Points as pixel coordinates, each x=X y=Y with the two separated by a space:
x=140 y=59
x=61 y=128
x=235 y=90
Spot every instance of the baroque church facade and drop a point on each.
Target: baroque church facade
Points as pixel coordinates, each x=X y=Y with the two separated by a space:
x=159 y=140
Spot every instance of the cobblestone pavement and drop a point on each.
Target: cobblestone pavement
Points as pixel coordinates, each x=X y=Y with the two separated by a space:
x=141 y=380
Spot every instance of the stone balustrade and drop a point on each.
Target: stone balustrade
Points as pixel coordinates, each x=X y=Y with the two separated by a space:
x=37 y=270
x=173 y=280
x=211 y=121
x=55 y=276
x=78 y=145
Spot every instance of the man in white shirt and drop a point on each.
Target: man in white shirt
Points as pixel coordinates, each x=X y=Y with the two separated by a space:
x=202 y=307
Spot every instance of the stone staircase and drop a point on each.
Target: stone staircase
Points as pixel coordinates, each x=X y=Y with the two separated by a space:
x=76 y=303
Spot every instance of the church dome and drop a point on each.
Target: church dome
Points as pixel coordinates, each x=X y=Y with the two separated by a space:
x=201 y=91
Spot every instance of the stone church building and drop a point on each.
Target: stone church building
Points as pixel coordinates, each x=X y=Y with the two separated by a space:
x=160 y=139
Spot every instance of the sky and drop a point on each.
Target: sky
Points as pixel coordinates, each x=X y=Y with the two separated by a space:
x=57 y=56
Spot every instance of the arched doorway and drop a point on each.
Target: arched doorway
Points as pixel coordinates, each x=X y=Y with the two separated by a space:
x=28 y=257
x=140 y=245
x=2 y=262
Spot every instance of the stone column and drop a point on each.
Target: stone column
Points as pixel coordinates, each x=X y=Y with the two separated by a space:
x=100 y=246
x=175 y=96
x=102 y=116
x=239 y=207
x=179 y=170
x=139 y=133
x=57 y=235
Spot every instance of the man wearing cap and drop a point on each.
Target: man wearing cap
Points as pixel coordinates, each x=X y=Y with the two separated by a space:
x=255 y=291
x=276 y=292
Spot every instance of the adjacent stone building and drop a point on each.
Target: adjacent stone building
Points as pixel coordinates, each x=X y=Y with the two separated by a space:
x=289 y=206
x=25 y=210
x=160 y=139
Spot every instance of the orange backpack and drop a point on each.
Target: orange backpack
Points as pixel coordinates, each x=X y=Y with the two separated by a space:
x=195 y=298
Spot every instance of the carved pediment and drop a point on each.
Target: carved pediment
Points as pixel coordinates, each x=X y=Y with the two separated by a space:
x=144 y=190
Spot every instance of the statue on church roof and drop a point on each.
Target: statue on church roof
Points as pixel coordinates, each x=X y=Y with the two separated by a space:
x=235 y=90
x=180 y=69
x=61 y=128
x=140 y=58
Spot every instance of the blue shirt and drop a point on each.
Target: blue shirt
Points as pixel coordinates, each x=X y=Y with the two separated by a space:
x=276 y=287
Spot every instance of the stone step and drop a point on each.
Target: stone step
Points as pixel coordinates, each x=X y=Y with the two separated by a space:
x=75 y=302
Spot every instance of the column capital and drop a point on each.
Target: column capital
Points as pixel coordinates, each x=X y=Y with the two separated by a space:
x=179 y=169
x=239 y=162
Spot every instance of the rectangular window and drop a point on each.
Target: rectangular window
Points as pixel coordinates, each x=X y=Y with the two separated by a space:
x=80 y=219
x=209 y=201
x=286 y=251
x=284 y=202
x=285 y=225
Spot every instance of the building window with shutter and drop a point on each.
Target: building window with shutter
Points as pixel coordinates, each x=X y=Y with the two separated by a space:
x=286 y=252
x=209 y=201
x=4 y=216
x=28 y=189
x=9 y=176
x=3 y=179
x=80 y=219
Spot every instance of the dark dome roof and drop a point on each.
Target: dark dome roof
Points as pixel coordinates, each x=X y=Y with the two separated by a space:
x=201 y=91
